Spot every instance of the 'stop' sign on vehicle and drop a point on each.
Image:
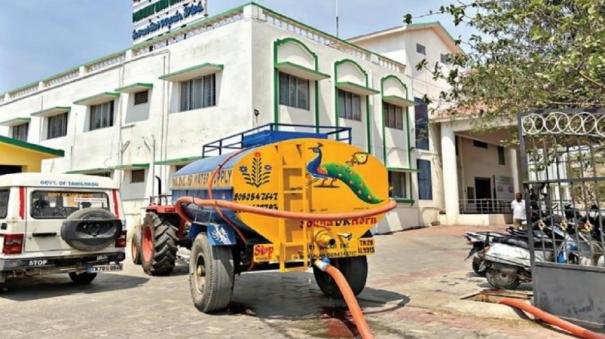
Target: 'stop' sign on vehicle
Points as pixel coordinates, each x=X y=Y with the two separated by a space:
x=161 y=16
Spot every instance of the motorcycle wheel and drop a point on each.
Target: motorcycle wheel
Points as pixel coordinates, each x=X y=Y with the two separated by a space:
x=502 y=279
x=479 y=267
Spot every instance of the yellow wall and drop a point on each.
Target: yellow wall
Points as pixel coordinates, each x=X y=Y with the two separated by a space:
x=16 y=156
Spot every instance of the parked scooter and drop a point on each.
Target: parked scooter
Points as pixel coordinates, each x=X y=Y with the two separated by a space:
x=478 y=241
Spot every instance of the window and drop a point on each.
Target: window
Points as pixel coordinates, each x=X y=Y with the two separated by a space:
x=4 y=203
x=349 y=105
x=141 y=98
x=60 y=205
x=57 y=126
x=101 y=116
x=198 y=93
x=137 y=176
x=420 y=49
x=501 y=157
x=399 y=185
x=444 y=59
x=479 y=144
x=422 y=124
x=425 y=183
x=393 y=116
x=293 y=91
x=19 y=132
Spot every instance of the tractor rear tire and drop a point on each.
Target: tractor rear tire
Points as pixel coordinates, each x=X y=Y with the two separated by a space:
x=158 y=245
x=211 y=275
x=135 y=246
x=355 y=270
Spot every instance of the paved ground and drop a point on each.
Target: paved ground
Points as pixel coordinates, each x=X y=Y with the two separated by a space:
x=416 y=281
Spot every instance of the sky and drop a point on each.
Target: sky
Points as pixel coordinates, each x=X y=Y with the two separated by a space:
x=40 y=38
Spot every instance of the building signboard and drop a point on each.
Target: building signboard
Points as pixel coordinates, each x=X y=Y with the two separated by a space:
x=153 y=18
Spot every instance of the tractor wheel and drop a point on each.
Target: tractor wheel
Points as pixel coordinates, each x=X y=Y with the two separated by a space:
x=158 y=245
x=211 y=275
x=355 y=270
x=135 y=246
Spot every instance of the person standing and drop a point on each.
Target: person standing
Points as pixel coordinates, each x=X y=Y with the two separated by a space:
x=519 y=213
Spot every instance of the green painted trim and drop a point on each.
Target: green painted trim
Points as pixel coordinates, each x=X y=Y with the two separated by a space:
x=178 y=160
x=276 y=44
x=407 y=118
x=143 y=85
x=302 y=68
x=367 y=98
x=352 y=84
x=402 y=169
x=405 y=201
x=63 y=109
x=90 y=171
x=109 y=169
x=317 y=106
x=130 y=166
x=21 y=120
x=192 y=68
x=31 y=84
x=396 y=97
x=31 y=147
x=108 y=94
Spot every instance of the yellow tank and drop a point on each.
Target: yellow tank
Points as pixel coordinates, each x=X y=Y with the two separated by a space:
x=308 y=175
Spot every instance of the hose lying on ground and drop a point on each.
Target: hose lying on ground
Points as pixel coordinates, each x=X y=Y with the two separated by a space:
x=551 y=319
x=349 y=297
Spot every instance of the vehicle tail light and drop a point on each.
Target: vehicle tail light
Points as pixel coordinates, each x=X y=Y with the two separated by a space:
x=116 y=207
x=121 y=240
x=13 y=244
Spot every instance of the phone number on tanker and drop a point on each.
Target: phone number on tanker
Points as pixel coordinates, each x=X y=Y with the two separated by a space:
x=255 y=196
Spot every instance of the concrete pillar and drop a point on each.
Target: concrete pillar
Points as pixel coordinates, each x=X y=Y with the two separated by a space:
x=450 y=174
x=514 y=166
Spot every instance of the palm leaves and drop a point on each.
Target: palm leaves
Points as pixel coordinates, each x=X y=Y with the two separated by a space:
x=258 y=175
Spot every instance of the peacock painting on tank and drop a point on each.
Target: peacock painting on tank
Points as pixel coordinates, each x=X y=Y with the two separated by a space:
x=344 y=173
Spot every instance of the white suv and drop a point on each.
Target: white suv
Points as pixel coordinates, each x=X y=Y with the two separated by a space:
x=60 y=224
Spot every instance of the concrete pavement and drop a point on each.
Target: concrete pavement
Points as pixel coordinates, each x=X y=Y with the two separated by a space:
x=414 y=288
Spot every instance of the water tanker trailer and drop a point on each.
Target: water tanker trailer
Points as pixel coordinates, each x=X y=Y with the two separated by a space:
x=269 y=199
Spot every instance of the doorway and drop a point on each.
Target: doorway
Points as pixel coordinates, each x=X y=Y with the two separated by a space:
x=483 y=194
x=6 y=169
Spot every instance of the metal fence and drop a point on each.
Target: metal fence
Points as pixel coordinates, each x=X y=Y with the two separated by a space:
x=563 y=160
x=485 y=206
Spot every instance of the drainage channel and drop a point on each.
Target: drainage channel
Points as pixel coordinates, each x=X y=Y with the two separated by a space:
x=495 y=295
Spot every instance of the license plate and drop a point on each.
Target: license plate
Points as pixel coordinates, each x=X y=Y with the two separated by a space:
x=104 y=268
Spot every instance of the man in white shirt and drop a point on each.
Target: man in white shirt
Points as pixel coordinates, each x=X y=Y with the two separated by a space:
x=519 y=214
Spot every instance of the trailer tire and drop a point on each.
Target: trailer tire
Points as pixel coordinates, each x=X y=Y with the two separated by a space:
x=158 y=245
x=135 y=246
x=211 y=275
x=355 y=270
x=84 y=278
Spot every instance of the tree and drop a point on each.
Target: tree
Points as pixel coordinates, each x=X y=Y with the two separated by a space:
x=526 y=54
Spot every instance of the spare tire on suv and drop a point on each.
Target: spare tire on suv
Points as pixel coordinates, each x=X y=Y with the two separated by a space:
x=91 y=229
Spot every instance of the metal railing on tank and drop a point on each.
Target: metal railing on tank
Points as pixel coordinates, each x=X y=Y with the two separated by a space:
x=238 y=141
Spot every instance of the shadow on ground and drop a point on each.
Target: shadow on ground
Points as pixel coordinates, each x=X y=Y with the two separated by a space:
x=56 y=285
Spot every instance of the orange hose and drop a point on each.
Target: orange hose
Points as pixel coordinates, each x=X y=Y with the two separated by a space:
x=551 y=319
x=277 y=213
x=349 y=297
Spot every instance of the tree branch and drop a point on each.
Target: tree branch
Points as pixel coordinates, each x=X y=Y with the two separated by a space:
x=593 y=81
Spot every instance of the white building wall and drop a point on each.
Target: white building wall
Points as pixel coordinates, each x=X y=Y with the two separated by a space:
x=159 y=131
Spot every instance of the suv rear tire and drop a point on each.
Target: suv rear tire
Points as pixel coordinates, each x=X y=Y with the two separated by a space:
x=135 y=246
x=158 y=245
x=82 y=278
x=355 y=270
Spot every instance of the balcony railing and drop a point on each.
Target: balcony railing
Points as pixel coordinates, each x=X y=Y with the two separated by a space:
x=485 y=206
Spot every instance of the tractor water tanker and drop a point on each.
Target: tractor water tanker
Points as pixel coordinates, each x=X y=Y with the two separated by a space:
x=278 y=200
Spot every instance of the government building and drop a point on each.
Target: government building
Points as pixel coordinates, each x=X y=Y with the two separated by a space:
x=189 y=79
